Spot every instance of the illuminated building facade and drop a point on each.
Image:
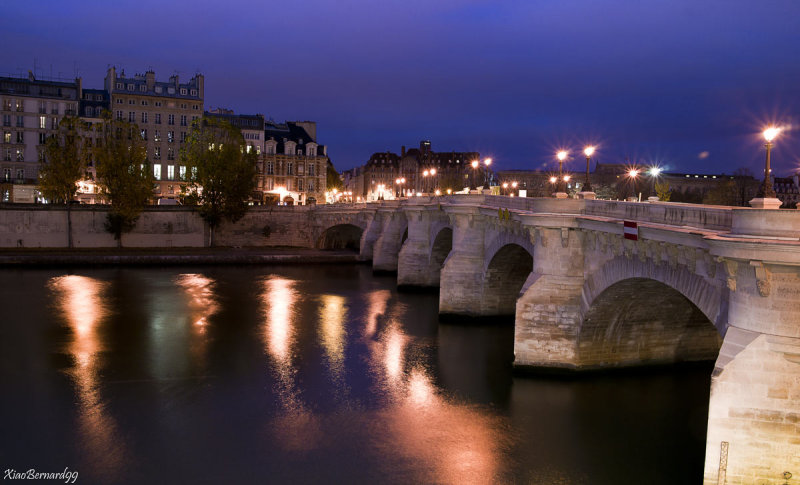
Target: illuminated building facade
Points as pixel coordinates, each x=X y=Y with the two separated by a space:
x=31 y=110
x=164 y=112
x=293 y=168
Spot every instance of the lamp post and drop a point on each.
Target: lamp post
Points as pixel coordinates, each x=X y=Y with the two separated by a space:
x=513 y=188
x=588 y=151
x=487 y=178
x=432 y=172
x=632 y=174
x=425 y=182
x=505 y=188
x=654 y=172
x=561 y=190
x=474 y=164
x=766 y=197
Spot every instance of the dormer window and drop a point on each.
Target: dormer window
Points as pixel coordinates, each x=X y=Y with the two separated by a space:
x=158 y=89
x=183 y=91
x=143 y=88
x=130 y=87
x=194 y=92
x=119 y=86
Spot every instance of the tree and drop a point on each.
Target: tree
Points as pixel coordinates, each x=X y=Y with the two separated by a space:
x=723 y=194
x=124 y=175
x=663 y=191
x=333 y=180
x=221 y=171
x=64 y=164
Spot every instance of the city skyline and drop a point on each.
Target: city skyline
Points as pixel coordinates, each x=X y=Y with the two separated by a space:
x=515 y=82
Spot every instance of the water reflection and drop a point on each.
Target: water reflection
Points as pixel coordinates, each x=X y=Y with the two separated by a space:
x=296 y=426
x=332 y=314
x=455 y=442
x=83 y=303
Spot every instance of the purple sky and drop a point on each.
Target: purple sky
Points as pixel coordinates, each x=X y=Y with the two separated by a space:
x=652 y=80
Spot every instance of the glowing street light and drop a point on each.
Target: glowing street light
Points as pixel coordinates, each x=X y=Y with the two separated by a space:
x=475 y=165
x=632 y=174
x=766 y=191
x=654 y=172
x=588 y=151
x=561 y=189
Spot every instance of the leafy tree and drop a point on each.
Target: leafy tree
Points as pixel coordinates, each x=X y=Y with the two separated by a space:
x=124 y=175
x=333 y=180
x=221 y=172
x=64 y=164
x=723 y=194
x=663 y=191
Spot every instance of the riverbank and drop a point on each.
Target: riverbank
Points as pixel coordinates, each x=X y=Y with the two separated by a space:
x=49 y=257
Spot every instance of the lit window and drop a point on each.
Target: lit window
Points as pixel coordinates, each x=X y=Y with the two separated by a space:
x=157 y=172
x=182 y=172
x=42 y=122
x=170 y=172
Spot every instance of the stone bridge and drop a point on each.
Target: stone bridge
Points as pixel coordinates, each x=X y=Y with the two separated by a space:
x=698 y=283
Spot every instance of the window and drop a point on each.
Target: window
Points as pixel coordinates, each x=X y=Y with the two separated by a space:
x=144 y=102
x=194 y=93
x=194 y=118
x=158 y=90
x=311 y=167
x=42 y=138
x=289 y=168
x=157 y=171
x=43 y=105
x=143 y=87
x=183 y=120
x=144 y=117
x=170 y=136
x=157 y=136
x=20 y=173
x=270 y=168
x=20 y=155
x=119 y=115
x=7 y=104
x=130 y=87
x=7 y=137
x=158 y=103
x=171 y=119
x=88 y=112
x=183 y=136
x=20 y=137
x=131 y=101
x=183 y=91
x=170 y=153
x=131 y=116
x=119 y=101
x=157 y=153
x=182 y=172
x=183 y=106
x=18 y=105
x=288 y=184
x=53 y=123
x=7 y=158
x=144 y=134
x=21 y=121
x=300 y=184
x=311 y=186
x=98 y=97
x=119 y=86
x=158 y=118
x=6 y=120
x=194 y=106
x=170 y=172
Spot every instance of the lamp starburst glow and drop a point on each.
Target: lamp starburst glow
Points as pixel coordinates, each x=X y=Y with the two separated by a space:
x=562 y=155
x=588 y=151
x=771 y=132
x=633 y=173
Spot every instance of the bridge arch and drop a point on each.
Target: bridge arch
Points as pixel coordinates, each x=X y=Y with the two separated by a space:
x=441 y=245
x=340 y=236
x=506 y=271
x=636 y=312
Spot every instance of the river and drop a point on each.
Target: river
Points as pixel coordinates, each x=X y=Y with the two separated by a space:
x=310 y=374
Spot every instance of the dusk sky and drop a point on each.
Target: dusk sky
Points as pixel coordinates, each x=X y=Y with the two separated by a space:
x=686 y=83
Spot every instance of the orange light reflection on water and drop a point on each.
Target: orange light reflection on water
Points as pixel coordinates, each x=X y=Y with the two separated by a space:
x=83 y=304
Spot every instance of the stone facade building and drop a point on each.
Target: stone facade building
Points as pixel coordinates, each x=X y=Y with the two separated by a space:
x=164 y=112
x=378 y=177
x=293 y=168
x=31 y=110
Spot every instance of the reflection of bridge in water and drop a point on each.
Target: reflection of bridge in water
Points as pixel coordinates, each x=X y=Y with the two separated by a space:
x=698 y=283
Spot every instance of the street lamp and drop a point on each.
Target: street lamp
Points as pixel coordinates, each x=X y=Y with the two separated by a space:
x=505 y=188
x=766 y=191
x=561 y=191
x=433 y=177
x=654 y=172
x=474 y=164
x=487 y=179
x=588 y=151
x=425 y=181
x=633 y=173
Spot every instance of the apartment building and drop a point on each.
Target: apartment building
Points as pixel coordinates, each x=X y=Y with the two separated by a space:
x=163 y=111
x=293 y=169
x=31 y=110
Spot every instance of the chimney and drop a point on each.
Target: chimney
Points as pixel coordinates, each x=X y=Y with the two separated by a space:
x=150 y=79
x=403 y=151
x=31 y=77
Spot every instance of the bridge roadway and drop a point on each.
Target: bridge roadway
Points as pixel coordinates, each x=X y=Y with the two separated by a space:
x=700 y=283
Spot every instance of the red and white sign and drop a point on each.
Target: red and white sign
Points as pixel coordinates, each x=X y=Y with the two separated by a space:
x=631 y=230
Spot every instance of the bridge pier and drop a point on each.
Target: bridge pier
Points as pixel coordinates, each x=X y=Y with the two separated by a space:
x=370 y=235
x=754 y=409
x=387 y=246
x=548 y=313
x=428 y=245
x=462 y=275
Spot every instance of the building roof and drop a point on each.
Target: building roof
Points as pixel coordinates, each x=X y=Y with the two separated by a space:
x=31 y=86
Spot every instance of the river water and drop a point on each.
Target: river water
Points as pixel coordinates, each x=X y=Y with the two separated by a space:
x=310 y=374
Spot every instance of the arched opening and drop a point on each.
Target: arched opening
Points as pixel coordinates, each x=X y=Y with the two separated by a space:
x=641 y=321
x=341 y=236
x=403 y=239
x=442 y=245
x=288 y=200
x=505 y=275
